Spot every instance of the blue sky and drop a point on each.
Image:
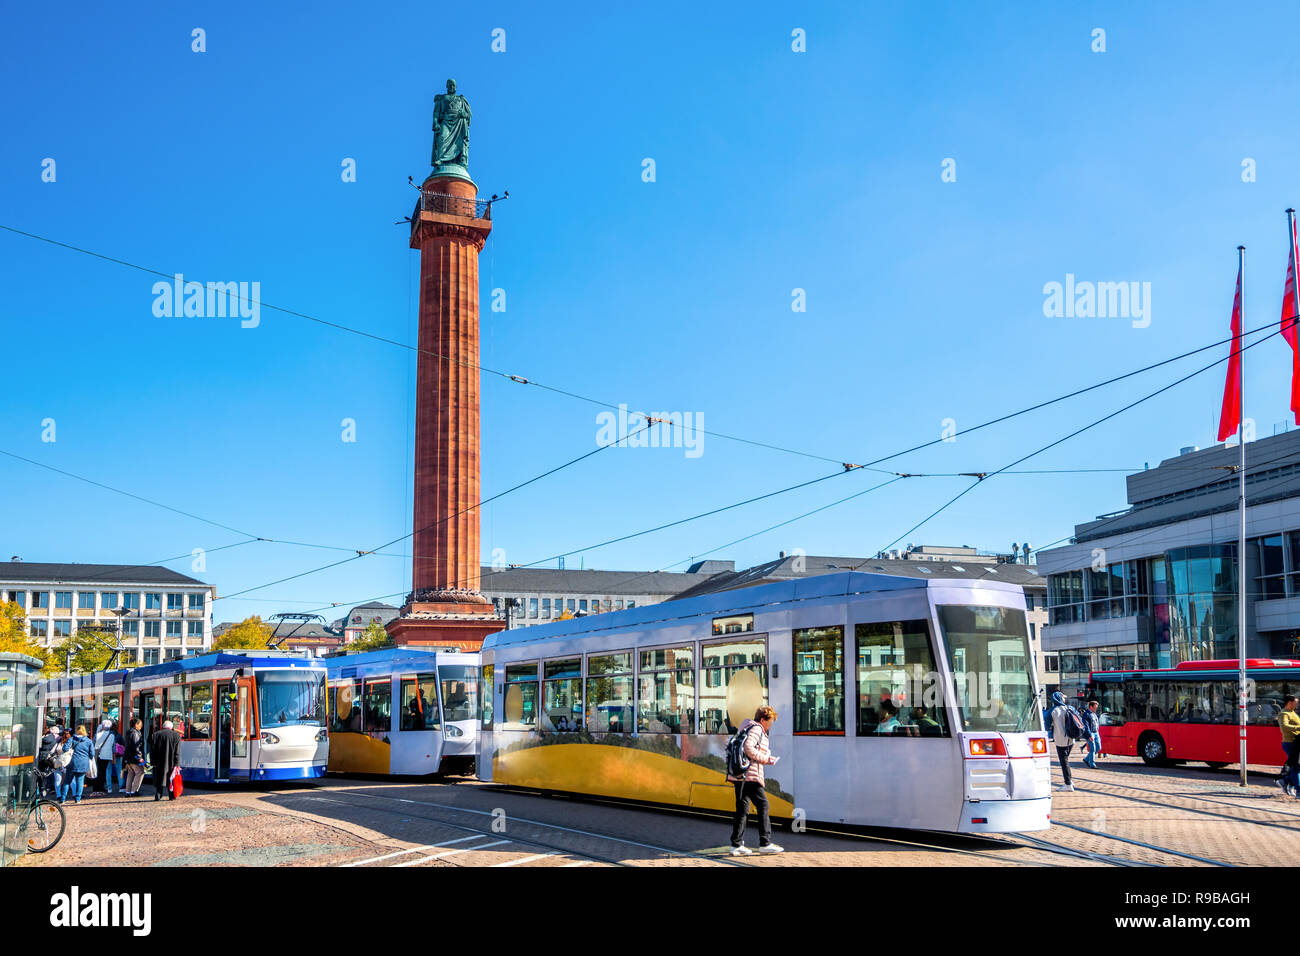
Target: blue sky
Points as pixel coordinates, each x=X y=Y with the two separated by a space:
x=775 y=170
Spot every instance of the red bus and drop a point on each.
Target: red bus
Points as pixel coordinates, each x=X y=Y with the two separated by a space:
x=1189 y=712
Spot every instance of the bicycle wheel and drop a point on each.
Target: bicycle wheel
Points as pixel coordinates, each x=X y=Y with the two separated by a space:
x=45 y=825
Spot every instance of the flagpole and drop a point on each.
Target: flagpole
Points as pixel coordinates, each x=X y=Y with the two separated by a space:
x=1241 y=536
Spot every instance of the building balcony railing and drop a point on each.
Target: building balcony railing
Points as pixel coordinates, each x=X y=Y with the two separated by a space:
x=449 y=205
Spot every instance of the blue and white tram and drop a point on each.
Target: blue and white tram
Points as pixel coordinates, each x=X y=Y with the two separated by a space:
x=242 y=715
x=404 y=711
x=902 y=702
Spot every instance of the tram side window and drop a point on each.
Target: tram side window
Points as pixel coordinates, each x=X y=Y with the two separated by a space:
x=420 y=702
x=174 y=708
x=486 y=689
x=666 y=692
x=198 y=711
x=377 y=705
x=345 y=707
x=899 y=692
x=819 y=680
x=562 y=695
x=609 y=693
x=521 y=696
x=733 y=684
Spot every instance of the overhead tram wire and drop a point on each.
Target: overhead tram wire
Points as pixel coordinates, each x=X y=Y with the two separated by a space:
x=412 y=534
x=610 y=405
x=985 y=476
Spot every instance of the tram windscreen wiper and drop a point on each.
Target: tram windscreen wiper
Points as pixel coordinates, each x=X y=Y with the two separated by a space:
x=1029 y=708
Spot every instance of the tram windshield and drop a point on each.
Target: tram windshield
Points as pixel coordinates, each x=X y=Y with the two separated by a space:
x=459 y=691
x=291 y=697
x=988 y=650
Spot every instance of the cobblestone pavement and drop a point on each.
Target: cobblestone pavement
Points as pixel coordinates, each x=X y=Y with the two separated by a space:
x=1200 y=814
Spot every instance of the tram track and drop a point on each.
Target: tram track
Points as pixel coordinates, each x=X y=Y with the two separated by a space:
x=1190 y=798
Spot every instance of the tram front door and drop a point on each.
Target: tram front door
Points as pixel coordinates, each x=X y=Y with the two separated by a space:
x=225 y=727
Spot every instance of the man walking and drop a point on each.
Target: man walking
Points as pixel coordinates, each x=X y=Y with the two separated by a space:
x=165 y=754
x=1061 y=737
x=1092 y=727
x=750 y=787
x=1289 y=721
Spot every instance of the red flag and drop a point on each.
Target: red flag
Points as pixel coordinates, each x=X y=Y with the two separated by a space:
x=1289 y=323
x=1230 y=416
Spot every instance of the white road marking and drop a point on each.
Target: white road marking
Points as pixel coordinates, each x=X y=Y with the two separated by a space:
x=439 y=856
x=528 y=859
x=414 y=849
x=579 y=863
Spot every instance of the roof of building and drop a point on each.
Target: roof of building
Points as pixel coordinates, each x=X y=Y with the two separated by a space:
x=579 y=581
x=799 y=566
x=53 y=573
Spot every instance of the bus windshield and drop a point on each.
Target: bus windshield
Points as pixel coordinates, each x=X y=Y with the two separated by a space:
x=291 y=697
x=459 y=691
x=988 y=650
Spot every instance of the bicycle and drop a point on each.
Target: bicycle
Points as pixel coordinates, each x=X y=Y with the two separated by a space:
x=46 y=820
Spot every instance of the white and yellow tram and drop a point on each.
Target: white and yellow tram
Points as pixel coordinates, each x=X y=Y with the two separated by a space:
x=403 y=711
x=902 y=702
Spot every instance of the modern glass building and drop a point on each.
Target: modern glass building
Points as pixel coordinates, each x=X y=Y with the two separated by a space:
x=18 y=729
x=1156 y=584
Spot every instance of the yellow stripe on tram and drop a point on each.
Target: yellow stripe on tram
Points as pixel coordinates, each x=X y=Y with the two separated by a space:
x=15 y=761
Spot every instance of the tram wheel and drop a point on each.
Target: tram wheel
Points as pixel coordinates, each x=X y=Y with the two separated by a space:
x=1152 y=749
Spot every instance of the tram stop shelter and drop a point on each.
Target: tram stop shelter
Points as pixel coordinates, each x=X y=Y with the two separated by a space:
x=19 y=713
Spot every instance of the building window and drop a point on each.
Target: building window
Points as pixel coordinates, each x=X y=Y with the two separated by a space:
x=40 y=599
x=40 y=628
x=666 y=691
x=62 y=628
x=618 y=605
x=175 y=602
x=196 y=602
x=174 y=628
x=546 y=607
x=1271 y=582
x=194 y=628
x=571 y=608
x=172 y=654
x=63 y=600
x=609 y=693
x=521 y=695
x=152 y=628
x=732 y=672
x=582 y=604
x=153 y=601
x=86 y=600
x=131 y=629
x=1050 y=663
x=151 y=656
x=1065 y=596
x=898 y=690
x=631 y=604
x=532 y=607
x=819 y=680
x=562 y=695
x=16 y=597
x=1202 y=598
x=131 y=602
x=108 y=600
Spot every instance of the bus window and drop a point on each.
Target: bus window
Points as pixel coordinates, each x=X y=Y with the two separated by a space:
x=419 y=703
x=1110 y=698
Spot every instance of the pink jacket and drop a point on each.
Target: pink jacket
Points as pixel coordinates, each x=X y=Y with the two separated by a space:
x=757 y=749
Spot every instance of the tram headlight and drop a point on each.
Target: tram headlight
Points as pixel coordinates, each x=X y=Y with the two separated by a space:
x=320 y=735
x=269 y=738
x=988 y=747
x=454 y=731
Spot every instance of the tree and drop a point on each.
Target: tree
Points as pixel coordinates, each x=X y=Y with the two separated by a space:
x=372 y=639
x=251 y=632
x=92 y=650
x=14 y=638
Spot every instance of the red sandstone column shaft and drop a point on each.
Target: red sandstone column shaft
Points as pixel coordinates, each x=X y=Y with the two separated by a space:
x=446 y=540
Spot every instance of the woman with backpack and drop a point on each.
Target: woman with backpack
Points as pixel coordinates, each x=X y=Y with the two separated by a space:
x=1066 y=728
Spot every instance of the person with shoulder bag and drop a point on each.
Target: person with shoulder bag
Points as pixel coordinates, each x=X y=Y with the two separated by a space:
x=81 y=751
x=133 y=758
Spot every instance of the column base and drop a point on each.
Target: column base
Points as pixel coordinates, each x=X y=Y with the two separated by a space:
x=444 y=624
